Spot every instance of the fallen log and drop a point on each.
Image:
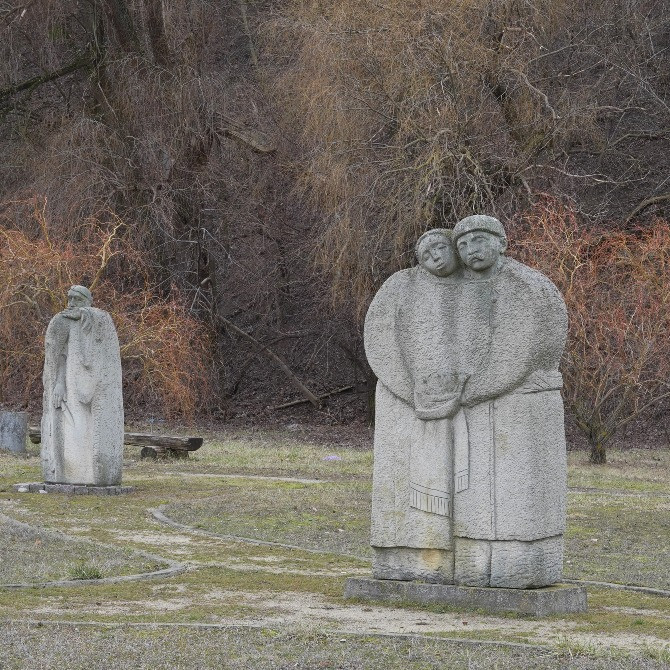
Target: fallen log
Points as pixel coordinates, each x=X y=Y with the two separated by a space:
x=152 y=445
x=323 y=396
x=153 y=452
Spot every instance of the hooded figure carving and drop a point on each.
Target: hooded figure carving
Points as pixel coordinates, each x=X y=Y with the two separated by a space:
x=82 y=413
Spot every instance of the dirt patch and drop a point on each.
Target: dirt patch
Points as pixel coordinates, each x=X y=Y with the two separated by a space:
x=306 y=612
x=135 y=607
x=313 y=612
x=252 y=564
x=158 y=539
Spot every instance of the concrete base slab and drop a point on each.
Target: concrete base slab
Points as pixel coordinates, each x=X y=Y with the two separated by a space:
x=73 y=489
x=556 y=599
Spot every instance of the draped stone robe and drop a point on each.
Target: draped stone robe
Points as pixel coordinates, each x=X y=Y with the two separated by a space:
x=82 y=441
x=517 y=326
x=409 y=342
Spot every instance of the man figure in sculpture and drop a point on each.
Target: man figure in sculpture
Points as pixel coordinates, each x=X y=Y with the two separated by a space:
x=509 y=516
x=82 y=417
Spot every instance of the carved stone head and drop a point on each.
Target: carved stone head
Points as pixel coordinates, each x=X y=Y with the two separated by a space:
x=436 y=253
x=481 y=241
x=79 y=296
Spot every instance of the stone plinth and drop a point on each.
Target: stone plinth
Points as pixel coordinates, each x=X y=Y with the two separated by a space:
x=557 y=599
x=73 y=489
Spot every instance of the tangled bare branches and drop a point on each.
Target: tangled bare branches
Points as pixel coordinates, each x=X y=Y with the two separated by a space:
x=164 y=351
x=411 y=116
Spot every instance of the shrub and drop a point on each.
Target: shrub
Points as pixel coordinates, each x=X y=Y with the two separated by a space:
x=615 y=284
x=84 y=570
x=164 y=351
x=406 y=115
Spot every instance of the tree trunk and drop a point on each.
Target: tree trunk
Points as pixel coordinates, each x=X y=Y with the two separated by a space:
x=598 y=454
x=119 y=15
x=156 y=30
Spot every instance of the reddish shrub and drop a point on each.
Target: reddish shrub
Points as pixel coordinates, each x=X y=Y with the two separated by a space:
x=615 y=285
x=164 y=351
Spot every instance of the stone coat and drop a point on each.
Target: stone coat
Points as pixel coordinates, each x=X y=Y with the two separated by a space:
x=82 y=441
x=515 y=424
x=409 y=341
x=504 y=454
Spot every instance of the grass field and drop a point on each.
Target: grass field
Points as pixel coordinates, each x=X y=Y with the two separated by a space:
x=245 y=605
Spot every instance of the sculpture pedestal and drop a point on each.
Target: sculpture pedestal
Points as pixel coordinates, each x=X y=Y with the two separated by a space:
x=556 y=599
x=72 y=489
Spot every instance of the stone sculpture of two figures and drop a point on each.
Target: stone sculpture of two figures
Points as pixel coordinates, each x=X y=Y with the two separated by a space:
x=469 y=480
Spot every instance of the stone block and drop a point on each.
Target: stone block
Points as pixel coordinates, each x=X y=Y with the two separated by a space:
x=13 y=431
x=404 y=563
x=556 y=599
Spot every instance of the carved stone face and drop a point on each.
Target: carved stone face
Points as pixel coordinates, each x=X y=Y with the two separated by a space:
x=76 y=299
x=437 y=255
x=480 y=250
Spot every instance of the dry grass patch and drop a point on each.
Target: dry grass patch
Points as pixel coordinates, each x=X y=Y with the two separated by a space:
x=327 y=517
x=157 y=648
x=31 y=555
x=621 y=539
x=234 y=582
x=634 y=470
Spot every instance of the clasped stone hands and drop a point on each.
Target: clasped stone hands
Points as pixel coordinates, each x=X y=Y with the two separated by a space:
x=438 y=396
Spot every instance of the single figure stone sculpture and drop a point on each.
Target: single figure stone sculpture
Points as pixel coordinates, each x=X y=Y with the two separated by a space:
x=469 y=477
x=82 y=415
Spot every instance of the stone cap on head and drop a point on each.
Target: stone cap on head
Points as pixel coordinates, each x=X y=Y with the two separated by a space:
x=82 y=291
x=444 y=232
x=488 y=224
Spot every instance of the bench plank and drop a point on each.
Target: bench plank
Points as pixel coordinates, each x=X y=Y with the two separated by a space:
x=163 y=442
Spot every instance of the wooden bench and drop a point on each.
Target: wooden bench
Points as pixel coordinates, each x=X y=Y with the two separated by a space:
x=153 y=446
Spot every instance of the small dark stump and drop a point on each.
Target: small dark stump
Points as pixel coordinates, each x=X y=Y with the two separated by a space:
x=153 y=452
